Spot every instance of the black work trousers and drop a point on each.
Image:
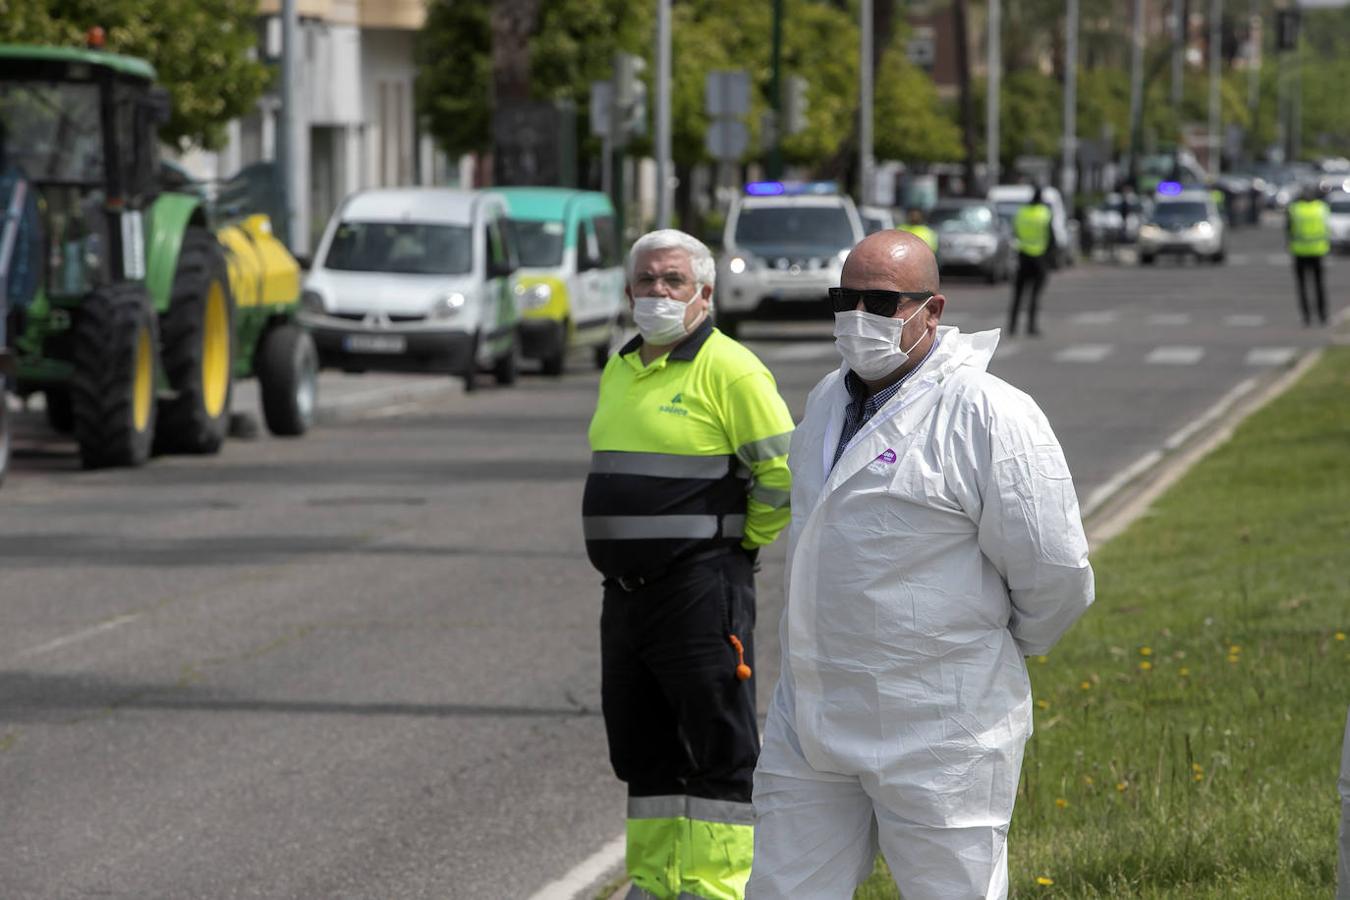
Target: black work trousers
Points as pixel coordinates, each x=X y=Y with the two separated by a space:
x=1030 y=273
x=679 y=722
x=1306 y=267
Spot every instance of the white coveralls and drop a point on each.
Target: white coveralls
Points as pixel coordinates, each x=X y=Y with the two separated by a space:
x=944 y=547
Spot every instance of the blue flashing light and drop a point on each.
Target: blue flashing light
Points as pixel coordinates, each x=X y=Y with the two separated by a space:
x=765 y=188
x=1169 y=188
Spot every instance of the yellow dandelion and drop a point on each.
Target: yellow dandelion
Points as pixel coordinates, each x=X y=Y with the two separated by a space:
x=1199 y=776
x=1340 y=635
x=1145 y=651
x=1183 y=671
x=1043 y=881
x=1061 y=802
x=1196 y=767
x=1234 y=649
x=1121 y=786
x=1233 y=657
x=1085 y=685
x=1087 y=779
x=1042 y=704
x=1042 y=659
x=1145 y=665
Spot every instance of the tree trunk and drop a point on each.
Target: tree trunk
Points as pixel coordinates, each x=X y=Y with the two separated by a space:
x=967 y=102
x=513 y=22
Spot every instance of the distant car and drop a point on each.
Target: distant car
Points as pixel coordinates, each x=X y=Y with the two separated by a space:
x=972 y=239
x=784 y=246
x=1115 y=220
x=416 y=279
x=1186 y=223
x=1338 y=224
x=876 y=218
x=1009 y=198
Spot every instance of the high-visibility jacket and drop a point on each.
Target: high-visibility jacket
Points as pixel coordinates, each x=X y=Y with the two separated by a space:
x=1031 y=227
x=689 y=453
x=1308 y=235
x=928 y=235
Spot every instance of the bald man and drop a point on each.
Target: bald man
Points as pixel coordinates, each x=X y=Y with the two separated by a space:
x=935 y=542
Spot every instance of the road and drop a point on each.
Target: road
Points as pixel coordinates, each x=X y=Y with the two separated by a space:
x=365 y=664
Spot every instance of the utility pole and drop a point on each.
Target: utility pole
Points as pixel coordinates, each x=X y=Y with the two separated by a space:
x=1215 y=58
x=776 y=94
x=865 y=107
x=1254 y=59
x=288 y=163
x=663 y=179
x=1136 y=85
x=1068 y=174
x=1178 y=48
x=991 y=105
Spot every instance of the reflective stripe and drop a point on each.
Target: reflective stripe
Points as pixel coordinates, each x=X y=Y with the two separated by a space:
x=639 y=528
x=726 y=812
x=765 y=448
x=774 y=498
x=659 y=465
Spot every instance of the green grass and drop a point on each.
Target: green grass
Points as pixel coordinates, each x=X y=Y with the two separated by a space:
x=1188 y=729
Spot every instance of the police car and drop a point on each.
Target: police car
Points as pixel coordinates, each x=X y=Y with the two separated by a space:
x=1184 y=222
x=784 y=246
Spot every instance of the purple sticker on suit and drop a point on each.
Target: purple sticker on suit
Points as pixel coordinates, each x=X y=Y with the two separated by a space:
x=887 y=457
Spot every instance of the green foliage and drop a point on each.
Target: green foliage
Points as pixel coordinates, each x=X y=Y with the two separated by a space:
x=454 y=75
x=1188 y=730
x=909 y=121
x=200 y=51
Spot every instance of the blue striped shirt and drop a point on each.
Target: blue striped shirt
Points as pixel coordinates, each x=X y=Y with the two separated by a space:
x=862 y=406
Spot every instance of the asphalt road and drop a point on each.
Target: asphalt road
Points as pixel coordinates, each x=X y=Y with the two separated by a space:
x=365 y=663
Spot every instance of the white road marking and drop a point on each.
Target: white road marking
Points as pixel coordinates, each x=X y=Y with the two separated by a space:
x=1244 y=320
x=585 y=874
x=1239 y=259
x=1109 y=487
x=1175 y=356
x=1277 y=259
x=1185 y=433
x=1095 y=317
x=1169 y=319
x=1270 y=356
x=1084 y=353
x=77 y=636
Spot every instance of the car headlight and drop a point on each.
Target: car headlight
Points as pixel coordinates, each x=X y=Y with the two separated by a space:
x=737 y=265
x=1204 y=229
x=312 y=302
x=533 y=297
x=447 y=306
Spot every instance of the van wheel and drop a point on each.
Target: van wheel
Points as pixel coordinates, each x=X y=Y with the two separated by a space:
x=470 y=370
x=59 y=413
x=555 y=362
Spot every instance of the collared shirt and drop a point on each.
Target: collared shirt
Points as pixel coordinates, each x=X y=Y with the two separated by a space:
x=862 y=407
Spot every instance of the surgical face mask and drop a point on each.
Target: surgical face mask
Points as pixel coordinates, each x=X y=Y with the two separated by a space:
x=870 y=344
x=660 y=320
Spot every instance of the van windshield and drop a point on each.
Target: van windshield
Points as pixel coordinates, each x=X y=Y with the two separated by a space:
x=406 y=248
x=540 y=244
x=823 y=228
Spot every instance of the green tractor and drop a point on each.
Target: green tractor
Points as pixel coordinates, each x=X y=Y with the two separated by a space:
x=143 y=312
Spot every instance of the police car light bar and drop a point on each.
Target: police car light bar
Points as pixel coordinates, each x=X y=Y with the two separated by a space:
x=1169 y=188
x=792 y=188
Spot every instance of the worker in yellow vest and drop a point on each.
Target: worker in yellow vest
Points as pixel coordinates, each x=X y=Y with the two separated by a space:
x=1309 y=242
x=1035 y=242
x=916 y=226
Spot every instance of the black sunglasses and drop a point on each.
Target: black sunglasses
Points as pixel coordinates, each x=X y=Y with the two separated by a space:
x=878 y=303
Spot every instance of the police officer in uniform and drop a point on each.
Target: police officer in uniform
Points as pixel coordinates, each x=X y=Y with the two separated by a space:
x=688 y=480
x=1309 y=242
x=915 y=225
x=1035 y=241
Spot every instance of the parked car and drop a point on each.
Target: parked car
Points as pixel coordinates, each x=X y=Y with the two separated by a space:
x=1116 y=220
x=972 y=239
x=1185 y=223
x=570 y=284
x=1009 y=198
x=1338 y=224
x=784 y=246
x=876 y=218
x=416 y=279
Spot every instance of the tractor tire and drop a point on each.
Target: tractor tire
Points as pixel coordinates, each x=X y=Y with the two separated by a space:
x=197 y=336
x=287 y=364
x=112 y=394
x=59 y=414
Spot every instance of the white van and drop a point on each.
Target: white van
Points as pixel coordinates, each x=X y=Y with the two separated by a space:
x=1008 y=198
x=416 y=279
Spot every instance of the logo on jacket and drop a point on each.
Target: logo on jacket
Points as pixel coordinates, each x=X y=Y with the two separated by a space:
x=888 y=457
x=674 y=407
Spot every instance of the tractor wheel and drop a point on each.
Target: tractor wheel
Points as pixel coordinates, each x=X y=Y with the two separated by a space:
x=288 y=377
x=112 y=394
x=59 y=414
x=197 y=334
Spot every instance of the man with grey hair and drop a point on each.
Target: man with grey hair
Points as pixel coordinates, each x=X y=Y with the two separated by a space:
x=688 y=480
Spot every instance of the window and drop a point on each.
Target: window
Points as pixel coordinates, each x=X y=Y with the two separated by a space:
x=817 y=227
x=409 y=248
x=608 y=237
x=54 y=130
x=540 y=244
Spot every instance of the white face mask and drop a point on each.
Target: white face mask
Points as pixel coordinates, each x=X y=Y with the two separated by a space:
x=660 y=320
x=870 y=344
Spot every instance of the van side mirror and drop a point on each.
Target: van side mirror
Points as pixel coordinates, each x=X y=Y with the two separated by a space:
x=500 y=269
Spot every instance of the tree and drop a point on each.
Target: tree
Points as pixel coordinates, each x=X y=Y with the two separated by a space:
x=911 y=124
x=201 y=52
x=454 y=75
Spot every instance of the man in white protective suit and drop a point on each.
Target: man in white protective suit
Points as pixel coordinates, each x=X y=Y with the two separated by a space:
x=935 y=542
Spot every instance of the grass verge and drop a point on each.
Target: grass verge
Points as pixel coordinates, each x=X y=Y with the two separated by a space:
x=1188 y=729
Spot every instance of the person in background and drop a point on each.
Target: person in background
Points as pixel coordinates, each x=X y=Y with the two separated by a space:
x=1306 y=227
x=915 y=225
x=1035 y=245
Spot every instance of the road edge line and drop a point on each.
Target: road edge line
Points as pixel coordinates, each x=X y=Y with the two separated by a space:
x=586 y=874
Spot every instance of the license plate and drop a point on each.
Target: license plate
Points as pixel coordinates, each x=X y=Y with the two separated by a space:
x=375 y=343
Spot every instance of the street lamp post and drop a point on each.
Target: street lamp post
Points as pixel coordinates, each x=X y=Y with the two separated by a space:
x=865 y=107
x=663 y=179
x=1215 y=52
x=991 y=104
x=1068 y=173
